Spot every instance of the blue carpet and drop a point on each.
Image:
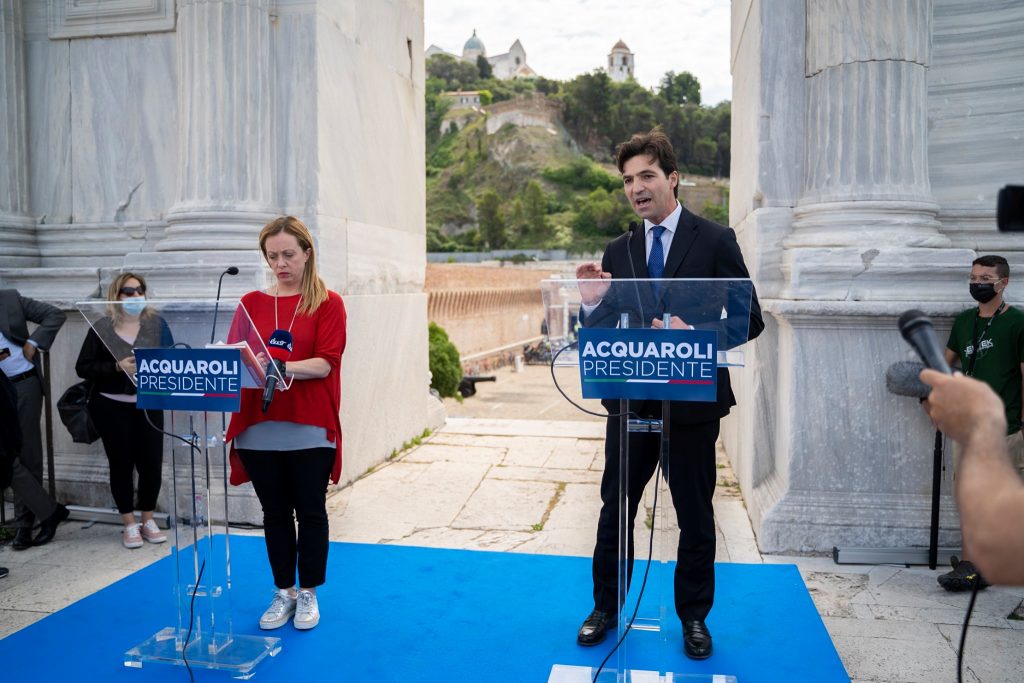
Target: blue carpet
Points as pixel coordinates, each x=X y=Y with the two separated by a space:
x=393 y=613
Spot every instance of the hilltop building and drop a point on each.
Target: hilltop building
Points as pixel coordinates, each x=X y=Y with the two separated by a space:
x=506 y=66
x=620 y=62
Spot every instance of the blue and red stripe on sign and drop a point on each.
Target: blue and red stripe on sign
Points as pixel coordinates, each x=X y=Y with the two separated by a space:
x=673 y=365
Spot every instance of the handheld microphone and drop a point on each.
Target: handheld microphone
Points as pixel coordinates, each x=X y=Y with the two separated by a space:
x=231 y=270
x=901 y=378
x=918 y=331
x=280 y=347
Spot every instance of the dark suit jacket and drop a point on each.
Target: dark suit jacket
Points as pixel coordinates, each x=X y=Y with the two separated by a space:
x=15 y=313
x=700 y=249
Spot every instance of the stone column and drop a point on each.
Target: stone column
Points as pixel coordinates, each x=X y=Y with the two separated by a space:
x=867 y=116
x=17 y=228
x=865 y=179
x=225 y=191
x=832 y=201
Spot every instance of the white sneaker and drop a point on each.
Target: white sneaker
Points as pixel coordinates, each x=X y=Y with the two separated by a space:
x=152 y=533
x=282 y=607
x=132 y=536
x=307 y=614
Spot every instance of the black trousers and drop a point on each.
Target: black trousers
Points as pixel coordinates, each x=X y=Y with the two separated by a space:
x=691 y=480
x=131 y=445
x=31 y=500
x=293 y=485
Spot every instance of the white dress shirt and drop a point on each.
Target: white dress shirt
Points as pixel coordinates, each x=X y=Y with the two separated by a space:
x=16 y=363
x=670 y=224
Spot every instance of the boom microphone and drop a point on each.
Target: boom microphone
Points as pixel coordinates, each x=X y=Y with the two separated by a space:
x=902 y=379
x=917 y=329
x=280 y=348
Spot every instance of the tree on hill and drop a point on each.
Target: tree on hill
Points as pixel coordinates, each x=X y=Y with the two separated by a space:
x=586 y=108
x=456 y=74
x=535 y=226
x=484 y=68
x=491 y=221
x=681 y=88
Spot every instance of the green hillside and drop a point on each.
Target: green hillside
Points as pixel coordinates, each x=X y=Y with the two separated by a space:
x=545 y=187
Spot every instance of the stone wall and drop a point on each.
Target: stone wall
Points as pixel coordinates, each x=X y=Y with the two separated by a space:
x=489 y=312
x=869 y=140
x=535 y=110
x=165 y=148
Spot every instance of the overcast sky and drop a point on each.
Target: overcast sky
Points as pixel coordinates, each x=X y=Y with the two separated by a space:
x=564 y=38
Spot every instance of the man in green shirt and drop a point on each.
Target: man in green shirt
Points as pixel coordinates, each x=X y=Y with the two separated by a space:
x=988 y=344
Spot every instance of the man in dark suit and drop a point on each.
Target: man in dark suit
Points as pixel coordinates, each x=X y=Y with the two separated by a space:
x=19 y=361
x=671 y=243
x=10 y=436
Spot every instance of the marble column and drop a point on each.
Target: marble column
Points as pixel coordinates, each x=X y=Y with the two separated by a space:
x=832 y=203
x=225 y=191
x=865 y=178
x=17 y=228
x=867 y=116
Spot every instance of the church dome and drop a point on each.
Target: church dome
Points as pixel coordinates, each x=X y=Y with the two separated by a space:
x=474 y=44
x=619 y=46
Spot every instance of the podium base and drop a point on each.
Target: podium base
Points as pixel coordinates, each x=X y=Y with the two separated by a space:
x=561 y=673
x=238 y=655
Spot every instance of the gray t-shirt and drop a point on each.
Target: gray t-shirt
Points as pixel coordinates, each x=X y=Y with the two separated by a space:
x=275 y=435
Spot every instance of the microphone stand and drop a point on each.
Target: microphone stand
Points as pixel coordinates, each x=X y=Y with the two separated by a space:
x=232 y=270
x=909 y=322
x=912 y=555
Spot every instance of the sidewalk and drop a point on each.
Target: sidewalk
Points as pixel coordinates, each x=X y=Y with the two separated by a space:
x=532 y=486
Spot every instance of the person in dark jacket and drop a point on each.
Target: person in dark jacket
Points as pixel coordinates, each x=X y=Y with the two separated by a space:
x=131 y=443
x=20 y=363
x=10 y=436
x=672 y=243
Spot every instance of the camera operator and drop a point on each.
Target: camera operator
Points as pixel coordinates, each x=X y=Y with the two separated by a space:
x=989 y=493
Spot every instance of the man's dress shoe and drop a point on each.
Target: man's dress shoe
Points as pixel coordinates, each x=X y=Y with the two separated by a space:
x=22 y=538
x=594 y=627
x=696 y=639
x=48 y=527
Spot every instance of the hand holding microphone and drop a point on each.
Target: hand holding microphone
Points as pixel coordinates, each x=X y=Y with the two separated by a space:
x=280 y=347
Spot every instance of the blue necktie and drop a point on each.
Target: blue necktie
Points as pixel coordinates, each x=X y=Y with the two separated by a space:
x=656 y=261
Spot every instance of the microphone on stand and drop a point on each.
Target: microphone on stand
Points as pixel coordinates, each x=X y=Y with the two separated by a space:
x=917 y=329
x=232 y=270
x=280 y=348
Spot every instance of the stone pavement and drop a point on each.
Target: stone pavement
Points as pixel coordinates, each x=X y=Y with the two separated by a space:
x=532 y=486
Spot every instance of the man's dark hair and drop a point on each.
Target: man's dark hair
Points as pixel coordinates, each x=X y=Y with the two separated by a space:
x=653 y=144
x=993 y=261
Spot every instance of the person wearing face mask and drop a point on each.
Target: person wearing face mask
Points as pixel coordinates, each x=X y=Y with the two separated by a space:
x=130 y=442
x=987 y=342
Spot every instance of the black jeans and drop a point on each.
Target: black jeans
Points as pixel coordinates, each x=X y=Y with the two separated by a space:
x=131 y=444
x=290 y=485
x=692 y=476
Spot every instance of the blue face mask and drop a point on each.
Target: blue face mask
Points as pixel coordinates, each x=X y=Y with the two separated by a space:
x=134 y=305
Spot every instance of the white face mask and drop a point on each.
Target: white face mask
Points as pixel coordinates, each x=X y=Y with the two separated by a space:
x=134 y=305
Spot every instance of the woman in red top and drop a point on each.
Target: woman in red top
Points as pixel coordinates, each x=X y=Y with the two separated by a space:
x=290 y=451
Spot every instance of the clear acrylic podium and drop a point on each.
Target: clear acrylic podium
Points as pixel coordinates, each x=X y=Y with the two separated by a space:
x=201 y=553
x=719 y=306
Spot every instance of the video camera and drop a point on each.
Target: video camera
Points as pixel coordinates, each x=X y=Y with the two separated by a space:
x=1010 y=209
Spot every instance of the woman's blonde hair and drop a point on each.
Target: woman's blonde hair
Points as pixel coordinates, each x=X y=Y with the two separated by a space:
x=313 y=289
x=117 y=312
